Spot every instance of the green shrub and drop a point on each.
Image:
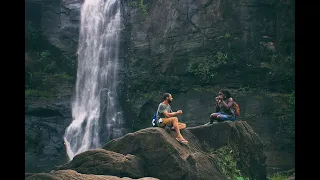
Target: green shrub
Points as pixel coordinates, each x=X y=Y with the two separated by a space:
x=32 y=35
x=227 y=159
x=205 y=67
x=278 y=176
x=36 y=93
x=46 y=62
x=285 y=135
x=141 y=5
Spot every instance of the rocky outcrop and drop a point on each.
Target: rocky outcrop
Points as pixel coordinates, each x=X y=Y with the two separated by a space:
x=161 y=150
x=70 y=174
x=154 y=152
x=102 y=162
x=241 y=137
x=45 y=122
x=44 y=146
x=164 y=157
x=60 y=22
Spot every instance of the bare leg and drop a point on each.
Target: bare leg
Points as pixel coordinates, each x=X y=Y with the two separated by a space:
x=176 y=127
x=181 y=126
x=213 y=116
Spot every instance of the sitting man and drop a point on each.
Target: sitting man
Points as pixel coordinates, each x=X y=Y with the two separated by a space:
x=165 y=117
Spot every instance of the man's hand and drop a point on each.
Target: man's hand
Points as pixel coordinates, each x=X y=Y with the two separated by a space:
x=179 y=111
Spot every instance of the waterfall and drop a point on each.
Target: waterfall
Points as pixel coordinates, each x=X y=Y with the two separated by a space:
x=96 y=113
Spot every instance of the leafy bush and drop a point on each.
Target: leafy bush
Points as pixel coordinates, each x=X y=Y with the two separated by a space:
x=46 y=62
x=64 y=76
x=32 y=35
x=278 y=176
x=36 y=93
x=227 y=159
x=205 y=67
x=141 y=5
x=285 y=136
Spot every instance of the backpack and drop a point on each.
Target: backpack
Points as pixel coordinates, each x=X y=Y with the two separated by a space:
x=154 y=120
x=236 y=108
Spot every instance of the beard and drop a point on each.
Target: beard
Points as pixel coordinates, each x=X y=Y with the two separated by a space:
x=169 y=101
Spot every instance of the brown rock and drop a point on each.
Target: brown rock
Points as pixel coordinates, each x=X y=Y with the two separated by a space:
x=102 y=162
x=165 y=157
x=241 y=137
x=71 y=174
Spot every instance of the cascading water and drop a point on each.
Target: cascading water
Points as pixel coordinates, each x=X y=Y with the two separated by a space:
x=95 y=110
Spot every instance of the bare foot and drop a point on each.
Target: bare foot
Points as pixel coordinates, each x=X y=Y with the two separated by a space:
x=182 y=140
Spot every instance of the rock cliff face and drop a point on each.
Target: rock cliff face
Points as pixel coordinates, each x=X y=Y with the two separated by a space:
x=161 y=44
x=59 y=22
x=56 y=23
x=44 y=129
x=162 y=40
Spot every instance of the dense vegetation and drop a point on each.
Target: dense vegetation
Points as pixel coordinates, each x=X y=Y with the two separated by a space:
x=45 y=66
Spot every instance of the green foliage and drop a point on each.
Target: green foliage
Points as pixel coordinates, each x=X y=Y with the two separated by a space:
x=227 y=36
x=241 y=178
x=280 y=68
x=46 y=62
x=154 y=95
x=28 y=77
x=244 y=90
x=278 y=61
x=32 y=35
x=63 y=76
x=278 y=176
x=227 y=159
x=46 y=67
x=285 y=136
x=141 y=5
x=51 y=67
x=36 y=93
x=205 y=67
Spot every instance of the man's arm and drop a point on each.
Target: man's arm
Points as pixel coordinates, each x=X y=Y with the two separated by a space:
x=163 y=110
x=172 y=114
x=229 y=103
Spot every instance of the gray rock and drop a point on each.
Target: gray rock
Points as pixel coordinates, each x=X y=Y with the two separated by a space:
x=161 y=150
x=70 y=174
x=103 y=162
x=44 y=146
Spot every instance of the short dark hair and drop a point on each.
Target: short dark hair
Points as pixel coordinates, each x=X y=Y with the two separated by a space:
x=165 y=95
x=226 y=92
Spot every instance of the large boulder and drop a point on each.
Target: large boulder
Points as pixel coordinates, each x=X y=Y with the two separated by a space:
x=241 y=138
x=102 y=162
x=166 y=158
x=220 y=151
x=71 y=174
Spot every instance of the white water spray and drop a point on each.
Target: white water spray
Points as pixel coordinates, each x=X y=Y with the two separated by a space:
x=95 y=110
